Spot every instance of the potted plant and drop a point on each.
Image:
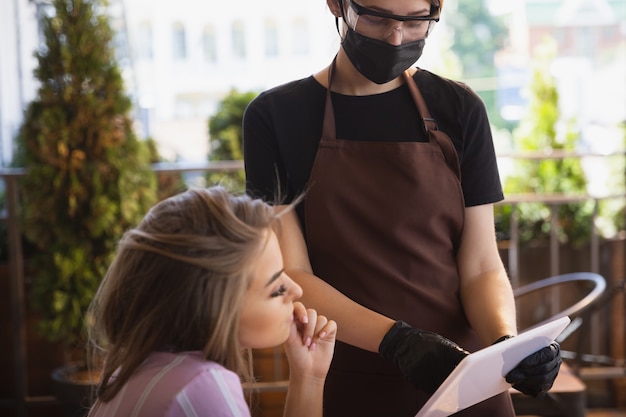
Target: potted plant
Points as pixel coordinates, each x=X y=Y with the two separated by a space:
x=536 y=133
x=88 y=177
x=543 y=131
x=555 y=170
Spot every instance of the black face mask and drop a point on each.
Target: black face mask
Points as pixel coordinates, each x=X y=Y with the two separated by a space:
x=379 y=61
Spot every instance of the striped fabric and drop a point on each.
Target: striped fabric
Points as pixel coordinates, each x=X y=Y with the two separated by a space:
x=177 y=385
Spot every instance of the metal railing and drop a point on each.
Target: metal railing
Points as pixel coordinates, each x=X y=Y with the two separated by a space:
x=10 y=215
x=10 y=177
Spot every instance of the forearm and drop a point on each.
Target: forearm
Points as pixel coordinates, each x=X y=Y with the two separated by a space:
x=304 y=397
x=357 y=325
x=486 y=292
x=489 y=305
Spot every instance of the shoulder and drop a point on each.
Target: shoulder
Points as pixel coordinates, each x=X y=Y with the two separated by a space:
x=211 y=390
x=172 y=384
x=445 y=91
x=286 y=93
x=192 y=368
x=454 y=105
x=284 y=112
x=430 y=80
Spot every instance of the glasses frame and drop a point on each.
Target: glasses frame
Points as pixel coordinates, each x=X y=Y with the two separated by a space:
x=361 y=10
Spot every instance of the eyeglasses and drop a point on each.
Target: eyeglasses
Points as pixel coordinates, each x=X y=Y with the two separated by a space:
x=375 y=24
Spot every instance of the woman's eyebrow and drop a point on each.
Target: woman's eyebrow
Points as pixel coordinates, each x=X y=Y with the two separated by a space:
x=383 y=10
x=275 y=277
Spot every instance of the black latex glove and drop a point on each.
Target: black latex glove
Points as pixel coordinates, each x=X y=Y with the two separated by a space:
x=424 y=358
x=535 y=374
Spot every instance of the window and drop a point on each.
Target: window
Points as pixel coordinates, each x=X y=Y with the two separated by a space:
x=209 y=44
x=300 y=36
x=179 y=43
x=271 y=38
x=239 y=40
x=144 y=44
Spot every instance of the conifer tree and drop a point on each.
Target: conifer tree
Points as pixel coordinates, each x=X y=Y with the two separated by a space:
x=543 y=130
x=88 y=177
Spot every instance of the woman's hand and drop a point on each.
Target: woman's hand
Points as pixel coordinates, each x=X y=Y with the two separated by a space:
x=309 y=349
x=310 y=344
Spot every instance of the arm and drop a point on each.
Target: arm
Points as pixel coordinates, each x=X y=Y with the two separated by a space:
x=309 y=350
x=350 y=316
x=424 y=358
x=486 y=292
x=488 y=301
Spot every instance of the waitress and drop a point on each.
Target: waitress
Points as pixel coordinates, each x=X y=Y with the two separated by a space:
x=395 y=238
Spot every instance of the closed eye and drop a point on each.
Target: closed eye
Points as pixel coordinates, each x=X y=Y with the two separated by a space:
x=281 y=291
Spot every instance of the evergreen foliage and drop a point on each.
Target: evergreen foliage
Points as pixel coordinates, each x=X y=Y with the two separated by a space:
x=225 y=131
x=88 y=177
x=542 y=130
x=476 y=37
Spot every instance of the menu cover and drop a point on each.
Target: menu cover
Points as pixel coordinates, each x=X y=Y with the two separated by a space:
x=480 y=375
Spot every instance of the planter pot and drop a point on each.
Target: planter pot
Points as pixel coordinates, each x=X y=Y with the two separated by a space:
x=76 y=396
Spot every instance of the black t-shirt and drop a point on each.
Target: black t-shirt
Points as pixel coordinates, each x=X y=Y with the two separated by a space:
x=282 y=128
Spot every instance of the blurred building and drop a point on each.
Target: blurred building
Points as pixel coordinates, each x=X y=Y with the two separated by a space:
x=18 y=40
x=179 y=59
x=187 y=55
x=590 y=60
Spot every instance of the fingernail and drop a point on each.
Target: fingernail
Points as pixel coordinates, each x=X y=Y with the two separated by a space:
x=307 y=342
x=313 y=345
x=322 y=334
x=304 y=319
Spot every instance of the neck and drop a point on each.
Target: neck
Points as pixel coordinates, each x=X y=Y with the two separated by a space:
x=347 y=80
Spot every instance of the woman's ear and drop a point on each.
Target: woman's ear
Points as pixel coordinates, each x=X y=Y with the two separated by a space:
x=334 y=7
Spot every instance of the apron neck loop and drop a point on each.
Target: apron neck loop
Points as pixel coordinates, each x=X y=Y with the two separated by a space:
x=328 y=127
x=428 y=122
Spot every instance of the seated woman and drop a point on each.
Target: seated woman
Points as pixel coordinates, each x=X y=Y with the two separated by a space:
x=195 y=286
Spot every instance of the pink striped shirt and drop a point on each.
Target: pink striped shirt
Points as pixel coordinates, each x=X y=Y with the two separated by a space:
x=177 y=385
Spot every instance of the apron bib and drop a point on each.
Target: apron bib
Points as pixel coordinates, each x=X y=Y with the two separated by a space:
x=383 y=223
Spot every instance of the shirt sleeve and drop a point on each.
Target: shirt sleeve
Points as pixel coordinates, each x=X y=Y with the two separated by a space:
x=265 y=172
x=480 y=177
x=212 y=393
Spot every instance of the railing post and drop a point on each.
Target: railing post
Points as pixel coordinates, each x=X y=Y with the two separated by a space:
x=595 y=256
x=555 y=260
x=514 y=248
x=16 y=268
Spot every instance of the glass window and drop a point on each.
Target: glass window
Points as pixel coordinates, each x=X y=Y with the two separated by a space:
x=271 y=38
x=209 y=44
x=179 y=43
x=300 y=36
x=239 y=39
x=144 y=47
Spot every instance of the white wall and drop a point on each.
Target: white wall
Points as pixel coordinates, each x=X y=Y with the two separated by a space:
x=18 y=40
x=181 y=95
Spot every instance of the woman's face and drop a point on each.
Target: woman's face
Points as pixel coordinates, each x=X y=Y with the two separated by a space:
x=267 y=312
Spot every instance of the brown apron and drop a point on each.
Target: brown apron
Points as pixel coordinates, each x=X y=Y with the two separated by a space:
x=383 y=224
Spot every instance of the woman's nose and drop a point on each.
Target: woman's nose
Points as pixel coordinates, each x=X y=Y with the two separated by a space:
x=394 y=35
x=295 y=290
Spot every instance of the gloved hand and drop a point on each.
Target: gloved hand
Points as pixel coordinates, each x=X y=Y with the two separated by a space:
x=535 y=374
x=424 y=358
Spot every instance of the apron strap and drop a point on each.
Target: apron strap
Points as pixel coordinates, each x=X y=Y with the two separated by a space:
x=431 y=129
x=328 y=126
x=428 y=122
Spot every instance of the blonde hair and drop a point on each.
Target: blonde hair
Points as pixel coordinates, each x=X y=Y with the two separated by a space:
x=176 y=282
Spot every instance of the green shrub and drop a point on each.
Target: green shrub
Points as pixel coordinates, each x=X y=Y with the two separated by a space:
x=225 y=132
x=88 y=177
